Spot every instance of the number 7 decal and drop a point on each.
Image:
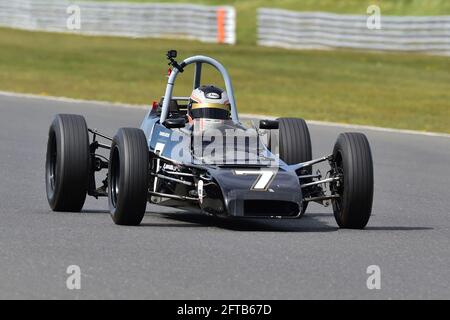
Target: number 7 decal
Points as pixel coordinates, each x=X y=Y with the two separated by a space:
x=265 y=178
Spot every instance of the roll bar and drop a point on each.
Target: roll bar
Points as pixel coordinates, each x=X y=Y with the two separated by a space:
x=198 y=60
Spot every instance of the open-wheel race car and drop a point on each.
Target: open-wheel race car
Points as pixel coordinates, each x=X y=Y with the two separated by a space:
x=194 y=152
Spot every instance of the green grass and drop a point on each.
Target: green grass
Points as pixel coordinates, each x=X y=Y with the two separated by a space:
x=246 y=9
x=392 y=90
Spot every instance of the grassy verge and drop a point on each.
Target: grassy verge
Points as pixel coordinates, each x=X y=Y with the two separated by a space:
x=391 y=90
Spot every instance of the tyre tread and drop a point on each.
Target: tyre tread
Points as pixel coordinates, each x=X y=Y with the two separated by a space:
x=132 y=199
x=72 y=141
x=358 y=180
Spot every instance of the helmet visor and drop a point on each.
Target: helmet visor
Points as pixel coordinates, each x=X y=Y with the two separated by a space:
x=210 y=111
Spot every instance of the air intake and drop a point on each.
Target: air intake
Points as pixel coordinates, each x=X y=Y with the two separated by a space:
x=270 y=208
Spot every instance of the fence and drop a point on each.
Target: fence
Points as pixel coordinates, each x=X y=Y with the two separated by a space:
x=301 y=30
x=204 y=23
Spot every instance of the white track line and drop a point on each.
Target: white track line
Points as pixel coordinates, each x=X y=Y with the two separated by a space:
x=256 y=116
x=71 y=100
x=357 y=126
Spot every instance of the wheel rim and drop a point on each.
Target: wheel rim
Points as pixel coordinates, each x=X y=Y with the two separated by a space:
x=115 y=177
x=335 y=188
x=52 y=162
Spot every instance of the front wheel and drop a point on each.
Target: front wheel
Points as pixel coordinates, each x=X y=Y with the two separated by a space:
x=128 y=177
x=352 y=162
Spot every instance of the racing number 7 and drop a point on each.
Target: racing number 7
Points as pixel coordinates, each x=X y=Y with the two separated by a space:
x=263 y=181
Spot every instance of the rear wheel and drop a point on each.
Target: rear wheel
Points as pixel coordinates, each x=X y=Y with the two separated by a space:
x=353 y=163
x=67 y=163
x=295 y=145
x=128 y=176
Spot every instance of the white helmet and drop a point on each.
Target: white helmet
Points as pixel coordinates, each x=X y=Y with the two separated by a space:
x=209 y=102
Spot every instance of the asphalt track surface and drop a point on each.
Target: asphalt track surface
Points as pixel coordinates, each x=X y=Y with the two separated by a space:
x=175 y=255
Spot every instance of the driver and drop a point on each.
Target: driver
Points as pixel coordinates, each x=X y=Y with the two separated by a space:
x=210 y=104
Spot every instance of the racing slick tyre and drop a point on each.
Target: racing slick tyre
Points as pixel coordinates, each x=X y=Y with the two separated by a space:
x=67 y=163
x=295 y=144
x=128 y=176
x=353 y=162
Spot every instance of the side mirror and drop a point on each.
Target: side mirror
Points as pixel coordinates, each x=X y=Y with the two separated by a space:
x=175 y=123
x=268 y=124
